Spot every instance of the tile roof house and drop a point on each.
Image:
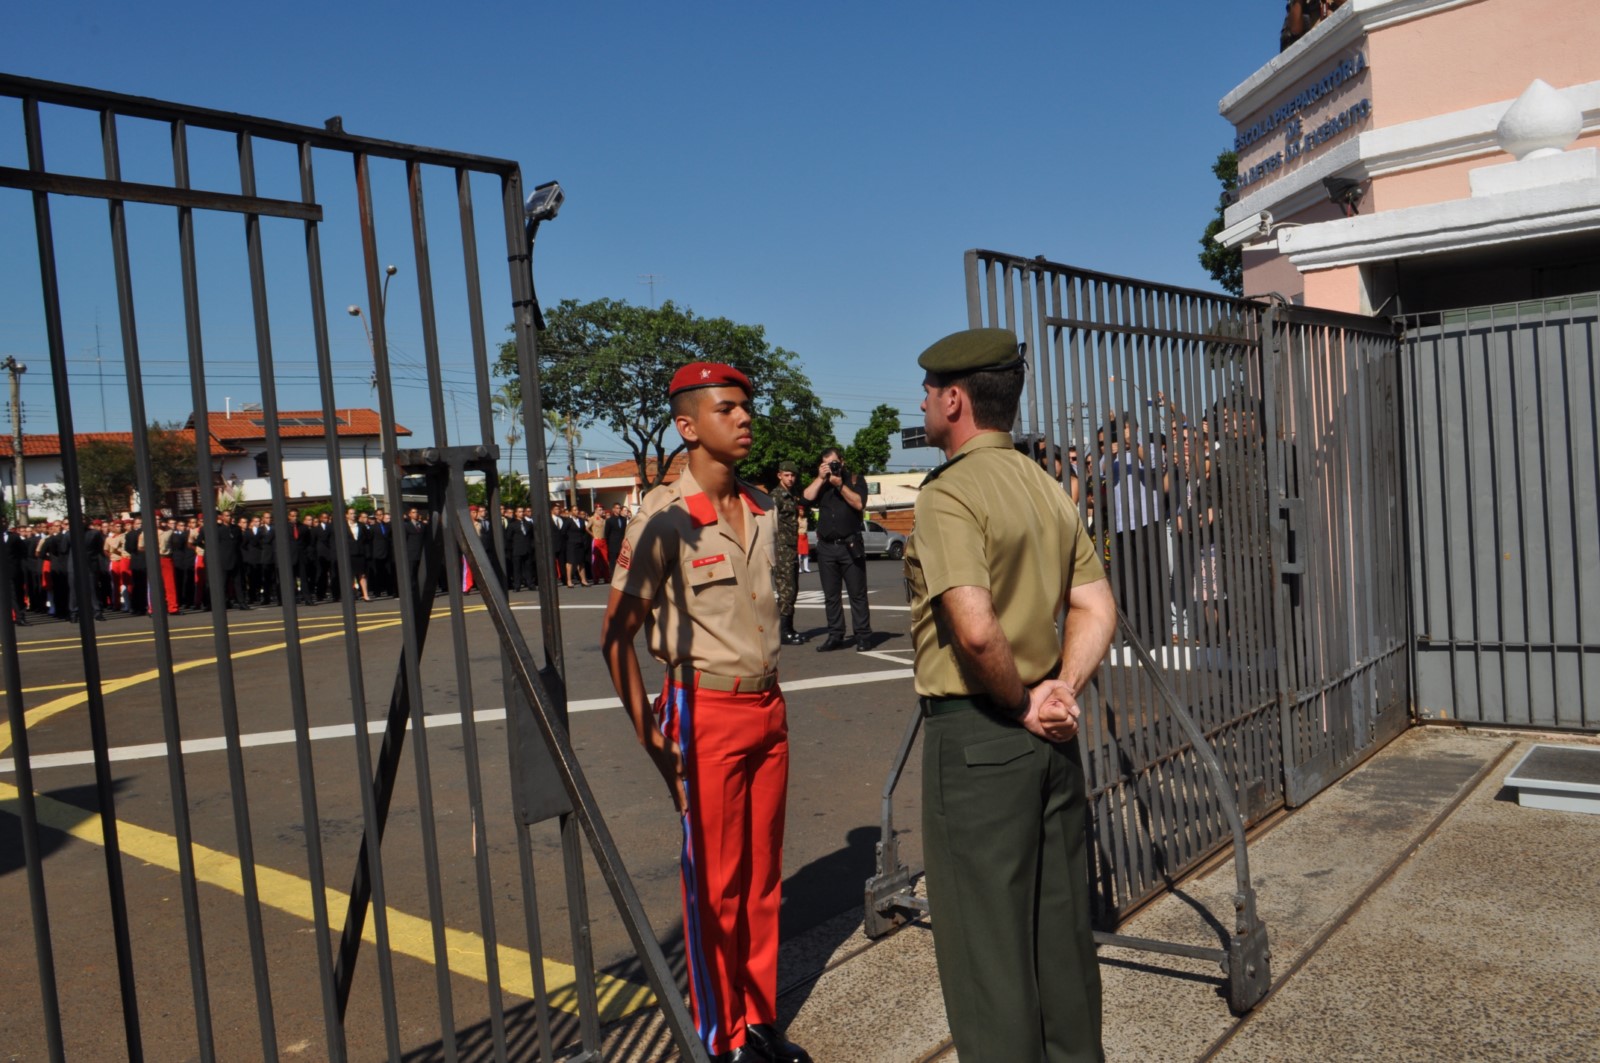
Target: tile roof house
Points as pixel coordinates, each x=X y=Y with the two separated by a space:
x=237 y=445
x=617 y=482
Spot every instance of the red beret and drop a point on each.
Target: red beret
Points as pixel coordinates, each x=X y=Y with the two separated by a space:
x=708 y=375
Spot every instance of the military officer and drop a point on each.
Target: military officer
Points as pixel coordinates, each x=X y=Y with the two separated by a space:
x=786 y=569
x=695 y=570
x=998 y=554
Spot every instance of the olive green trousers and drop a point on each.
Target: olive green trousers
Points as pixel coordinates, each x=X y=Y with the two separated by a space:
x=1008 y=888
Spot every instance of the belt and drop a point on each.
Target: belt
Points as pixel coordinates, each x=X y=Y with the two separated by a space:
x=940 y=706
x=732 y=684
x=838 y=538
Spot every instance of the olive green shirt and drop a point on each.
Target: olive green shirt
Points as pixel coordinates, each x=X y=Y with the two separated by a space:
x=991 y=518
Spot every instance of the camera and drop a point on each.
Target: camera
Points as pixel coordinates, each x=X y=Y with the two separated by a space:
x=836 y=467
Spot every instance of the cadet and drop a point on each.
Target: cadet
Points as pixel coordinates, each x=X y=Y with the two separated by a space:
x=997 y=553
x=695 y=570
x=786 y=569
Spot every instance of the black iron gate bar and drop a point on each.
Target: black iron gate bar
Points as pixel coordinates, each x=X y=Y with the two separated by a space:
x=530 y=701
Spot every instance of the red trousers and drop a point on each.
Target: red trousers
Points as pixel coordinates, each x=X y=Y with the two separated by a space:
x=169 y=579
x=736 y=755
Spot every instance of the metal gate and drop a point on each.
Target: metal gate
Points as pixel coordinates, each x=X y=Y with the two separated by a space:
x=1238 y=461
x=1338 y=545
x=1503 y=457
x=287 y=953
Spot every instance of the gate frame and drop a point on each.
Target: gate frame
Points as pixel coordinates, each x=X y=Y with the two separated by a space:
x=553 y=788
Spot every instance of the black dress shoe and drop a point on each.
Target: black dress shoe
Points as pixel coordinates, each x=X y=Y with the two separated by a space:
x=771 y=1045
x=833 y=642
x=745 y=1053
x=863 y=643
x=793 y=638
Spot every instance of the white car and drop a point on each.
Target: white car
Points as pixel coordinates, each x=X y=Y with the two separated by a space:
x=876 y=540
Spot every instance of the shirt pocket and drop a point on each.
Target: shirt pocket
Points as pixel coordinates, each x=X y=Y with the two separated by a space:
x=708 y=571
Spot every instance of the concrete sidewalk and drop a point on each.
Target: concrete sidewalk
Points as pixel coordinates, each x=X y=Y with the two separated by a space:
x=1415 y=913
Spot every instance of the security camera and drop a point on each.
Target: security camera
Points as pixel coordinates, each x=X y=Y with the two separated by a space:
x=1252 y=227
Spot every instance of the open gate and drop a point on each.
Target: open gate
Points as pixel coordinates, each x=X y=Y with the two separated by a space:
x=1238 y=461
x=263 y=954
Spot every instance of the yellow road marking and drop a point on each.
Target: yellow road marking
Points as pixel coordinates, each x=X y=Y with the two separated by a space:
x=56 y=686
x=408 y=935
x=112 y=686
x=137 y=638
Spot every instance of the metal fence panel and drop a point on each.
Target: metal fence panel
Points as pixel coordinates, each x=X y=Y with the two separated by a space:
x=1503 y=462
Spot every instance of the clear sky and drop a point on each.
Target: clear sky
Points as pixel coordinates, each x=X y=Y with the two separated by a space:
x=815 y=168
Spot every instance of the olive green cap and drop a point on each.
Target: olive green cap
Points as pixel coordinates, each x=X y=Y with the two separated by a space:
x=787 y=466
x=974 y=350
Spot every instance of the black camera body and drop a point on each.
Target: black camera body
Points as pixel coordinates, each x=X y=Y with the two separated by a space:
x=836 y=467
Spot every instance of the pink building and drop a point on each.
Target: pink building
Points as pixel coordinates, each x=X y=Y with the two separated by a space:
x=1415 y=155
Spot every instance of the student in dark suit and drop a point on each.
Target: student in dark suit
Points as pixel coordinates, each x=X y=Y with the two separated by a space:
x=579 y=546
x=380 y=572
x=616 y=528
x=327 y=580
x=269 y=561
x=235 y=561
x=34 y=568
x=138 y=568
x=252 y=557
x=94 y=546
x=14 y=555
x=182 y=550
x=415 y=534
x=519 y=530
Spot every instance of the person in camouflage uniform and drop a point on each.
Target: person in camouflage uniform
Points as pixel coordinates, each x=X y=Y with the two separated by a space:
x=786 y=567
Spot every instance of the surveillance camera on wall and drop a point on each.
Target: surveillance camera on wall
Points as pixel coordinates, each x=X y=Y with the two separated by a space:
x=1251 y=228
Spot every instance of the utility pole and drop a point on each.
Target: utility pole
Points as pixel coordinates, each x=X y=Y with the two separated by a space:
x=19 y=482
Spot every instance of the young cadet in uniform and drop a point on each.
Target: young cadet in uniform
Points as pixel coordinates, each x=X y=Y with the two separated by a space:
x=997 y=554
x=695 y=570
x=786 y=569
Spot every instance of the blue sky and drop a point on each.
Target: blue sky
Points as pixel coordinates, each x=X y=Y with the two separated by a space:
x=818 y=169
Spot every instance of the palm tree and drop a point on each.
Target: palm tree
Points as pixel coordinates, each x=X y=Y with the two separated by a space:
x=565 y=428
x=507 y=402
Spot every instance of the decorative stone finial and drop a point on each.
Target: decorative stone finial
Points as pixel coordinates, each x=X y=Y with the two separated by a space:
x=1541 y=122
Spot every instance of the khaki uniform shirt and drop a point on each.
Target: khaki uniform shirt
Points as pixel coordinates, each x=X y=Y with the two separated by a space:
x=712 y=603
x=991 y=518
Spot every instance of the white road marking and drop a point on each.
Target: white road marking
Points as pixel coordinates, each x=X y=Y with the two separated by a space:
x=154 y=750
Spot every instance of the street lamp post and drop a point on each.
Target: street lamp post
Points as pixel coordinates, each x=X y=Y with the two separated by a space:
x=383 y=301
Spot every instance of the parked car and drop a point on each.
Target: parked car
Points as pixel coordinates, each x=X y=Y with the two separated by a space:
x=877 y=541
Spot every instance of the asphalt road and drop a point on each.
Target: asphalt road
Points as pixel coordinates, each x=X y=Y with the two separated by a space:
x=847 y=711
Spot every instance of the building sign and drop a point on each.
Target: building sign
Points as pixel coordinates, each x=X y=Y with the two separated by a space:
x=1297 y=140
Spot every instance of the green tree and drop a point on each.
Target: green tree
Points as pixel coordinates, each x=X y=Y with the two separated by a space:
x=105 y=476
x=868 y=452
x=1225 y=264
x=107 y=472
x=172 y=458
x=609 y=363
x=792 y=424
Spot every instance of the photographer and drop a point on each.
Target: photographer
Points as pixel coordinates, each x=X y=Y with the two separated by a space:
x=841 y=495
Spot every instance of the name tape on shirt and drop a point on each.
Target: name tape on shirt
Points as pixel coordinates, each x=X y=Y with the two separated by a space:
x=702 y=562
